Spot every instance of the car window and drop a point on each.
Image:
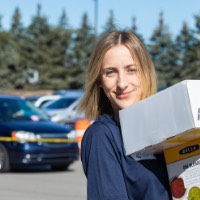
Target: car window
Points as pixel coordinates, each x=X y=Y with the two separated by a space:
x=61 y=103
x=19 y=110
x=43 y=103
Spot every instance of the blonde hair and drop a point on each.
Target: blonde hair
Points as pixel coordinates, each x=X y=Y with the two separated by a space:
x=94 y=102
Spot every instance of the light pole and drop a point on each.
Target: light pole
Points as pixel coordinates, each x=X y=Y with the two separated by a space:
x=96 y=16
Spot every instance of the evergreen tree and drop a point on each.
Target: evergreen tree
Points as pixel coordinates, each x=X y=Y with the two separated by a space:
x=134 y=29
x=163 y=54
x=36 y=48
x=63 y=21
x=16 y=24
x=110 y=24
x=197 y=25
x=185 y=46
x=60 y=38
x=7 y=61
x=197 y=48
x=11 y=73
x=16 y=33
x=83 y=42
x=1 y=28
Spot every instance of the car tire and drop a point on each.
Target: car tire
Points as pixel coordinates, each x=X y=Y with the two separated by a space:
x=4 y=159
x=60 y=167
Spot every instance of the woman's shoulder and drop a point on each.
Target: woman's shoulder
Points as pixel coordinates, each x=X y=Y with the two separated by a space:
x=104 y=126
x=102 y=123
x=106 y=122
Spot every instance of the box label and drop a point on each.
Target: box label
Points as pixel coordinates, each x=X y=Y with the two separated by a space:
x=183 y=166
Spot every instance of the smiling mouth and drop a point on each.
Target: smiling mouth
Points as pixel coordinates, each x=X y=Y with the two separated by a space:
x=123 y=95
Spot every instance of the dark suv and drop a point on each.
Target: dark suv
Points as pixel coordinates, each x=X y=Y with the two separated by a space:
x=28 y=137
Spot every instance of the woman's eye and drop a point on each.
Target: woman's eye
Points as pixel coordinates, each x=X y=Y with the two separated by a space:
x=132 y=70
x=109 y=73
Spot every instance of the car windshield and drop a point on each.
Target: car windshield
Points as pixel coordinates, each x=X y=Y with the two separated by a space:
x=60 y=103
x=20 y=110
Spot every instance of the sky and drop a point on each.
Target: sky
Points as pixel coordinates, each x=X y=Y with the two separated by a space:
x=146 y=12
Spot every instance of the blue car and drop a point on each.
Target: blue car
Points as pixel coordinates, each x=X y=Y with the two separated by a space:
x=28 y=137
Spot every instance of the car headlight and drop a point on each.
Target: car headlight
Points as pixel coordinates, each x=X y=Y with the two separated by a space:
x=24 y=136
x=71 y=135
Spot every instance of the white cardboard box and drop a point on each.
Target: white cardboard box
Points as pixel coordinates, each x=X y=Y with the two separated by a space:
x=162 y=120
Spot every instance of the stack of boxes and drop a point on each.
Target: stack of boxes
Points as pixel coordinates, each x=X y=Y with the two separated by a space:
x=168 y=121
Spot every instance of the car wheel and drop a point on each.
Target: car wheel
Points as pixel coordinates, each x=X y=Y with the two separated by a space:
x=4 y=159
x=59 y=167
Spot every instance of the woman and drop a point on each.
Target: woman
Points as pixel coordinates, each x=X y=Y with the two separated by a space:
x=120 y=74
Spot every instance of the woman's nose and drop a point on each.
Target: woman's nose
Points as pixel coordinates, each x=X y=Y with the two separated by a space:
x=122 y=81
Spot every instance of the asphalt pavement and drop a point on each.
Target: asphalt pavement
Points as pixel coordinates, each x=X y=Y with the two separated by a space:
x=44 y=184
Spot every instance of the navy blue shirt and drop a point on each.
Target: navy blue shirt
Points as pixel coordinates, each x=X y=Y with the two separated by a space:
x=111 y=175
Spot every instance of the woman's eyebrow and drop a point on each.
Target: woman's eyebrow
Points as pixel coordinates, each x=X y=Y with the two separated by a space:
x=131 y=65
x=113 y=67
x=108 y=67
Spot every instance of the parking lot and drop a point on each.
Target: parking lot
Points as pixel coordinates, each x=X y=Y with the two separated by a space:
x=44 y=184
x=50 y=144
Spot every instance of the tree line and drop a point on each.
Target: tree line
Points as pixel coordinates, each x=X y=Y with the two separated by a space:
x=45 y=56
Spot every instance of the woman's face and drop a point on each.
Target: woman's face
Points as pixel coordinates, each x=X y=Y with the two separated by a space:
x=120 y=78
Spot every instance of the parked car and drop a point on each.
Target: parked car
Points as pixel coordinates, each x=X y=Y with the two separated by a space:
x=28 y=137
x=73 y=118
x=69 y=114
x=40 y=102
x=67 y=92
x=33 y=98
x=59 y=106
